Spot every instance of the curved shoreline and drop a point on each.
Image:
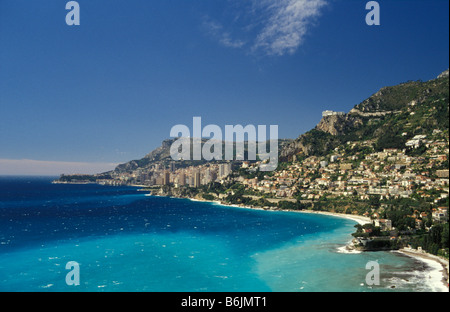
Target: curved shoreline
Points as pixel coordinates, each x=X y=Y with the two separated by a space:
x=438 y=274
x=438 y=267
x=359 y=219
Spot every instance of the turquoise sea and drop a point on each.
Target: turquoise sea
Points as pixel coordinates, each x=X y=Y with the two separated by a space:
x=124 y=240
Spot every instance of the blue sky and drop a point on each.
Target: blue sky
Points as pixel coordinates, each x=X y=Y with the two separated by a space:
x=110 y=90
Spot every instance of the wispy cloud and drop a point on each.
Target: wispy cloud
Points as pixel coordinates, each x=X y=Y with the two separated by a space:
x=51 y=168
x=217 y=31
x=271 y=27
x=287 y=25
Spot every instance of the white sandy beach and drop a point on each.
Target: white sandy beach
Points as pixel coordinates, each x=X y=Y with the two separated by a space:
x=360 y=219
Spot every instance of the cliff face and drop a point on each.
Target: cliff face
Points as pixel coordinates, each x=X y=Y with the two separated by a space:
x=298 y=146
x=338 y=124
x=388 y=118
x=161 y=153
x=323 y=137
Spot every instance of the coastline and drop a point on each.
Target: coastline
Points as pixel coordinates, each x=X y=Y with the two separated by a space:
x=439 y=267
x=438 y=274
x=359 y=219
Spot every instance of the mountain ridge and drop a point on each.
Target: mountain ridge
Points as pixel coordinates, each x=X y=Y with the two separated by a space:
x=388 y=118
x=382 y=108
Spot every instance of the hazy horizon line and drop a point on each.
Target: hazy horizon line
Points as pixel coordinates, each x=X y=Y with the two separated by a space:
x=31 y=167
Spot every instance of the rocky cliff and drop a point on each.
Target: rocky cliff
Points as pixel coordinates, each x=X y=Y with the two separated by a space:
x=388 y=118
x=339 y=124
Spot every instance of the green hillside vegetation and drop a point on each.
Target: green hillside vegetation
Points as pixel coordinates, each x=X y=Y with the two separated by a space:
x=413 y=108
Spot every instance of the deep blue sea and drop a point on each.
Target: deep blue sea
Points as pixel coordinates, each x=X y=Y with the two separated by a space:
x=126 y=241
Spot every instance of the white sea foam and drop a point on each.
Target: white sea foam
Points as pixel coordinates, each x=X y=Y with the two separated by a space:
x=433 y=275
x=431 y=278
x=346 y=250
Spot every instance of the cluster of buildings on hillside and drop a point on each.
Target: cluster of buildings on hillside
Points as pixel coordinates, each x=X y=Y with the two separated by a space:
x=160 y=175
x=387 y=174
x=391 y=173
